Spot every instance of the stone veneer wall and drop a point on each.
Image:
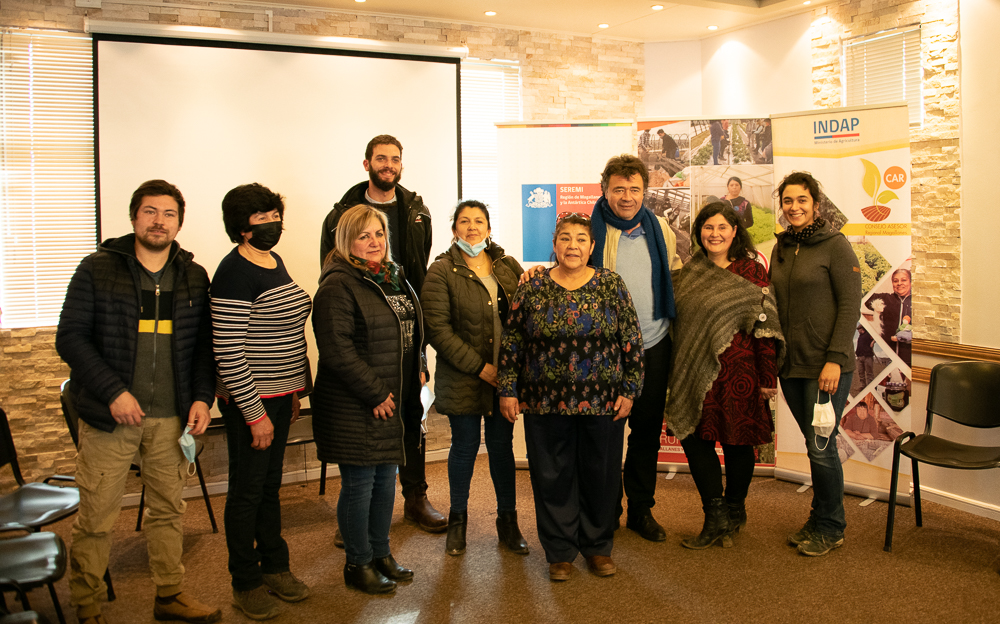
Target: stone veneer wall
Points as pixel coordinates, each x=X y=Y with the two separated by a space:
x=934 y=148
x=563 y=76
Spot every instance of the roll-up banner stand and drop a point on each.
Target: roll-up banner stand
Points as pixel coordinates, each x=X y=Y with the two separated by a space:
x=546 y=168
x=861 y=156
x=690 y=163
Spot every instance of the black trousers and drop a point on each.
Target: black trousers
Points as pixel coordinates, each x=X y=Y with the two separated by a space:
x=574 y=462
x=646 y=424
x=412 y=476
x=253 y=507
x=707 y=472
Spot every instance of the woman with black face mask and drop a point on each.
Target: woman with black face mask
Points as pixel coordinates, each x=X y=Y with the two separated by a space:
x=258 y=316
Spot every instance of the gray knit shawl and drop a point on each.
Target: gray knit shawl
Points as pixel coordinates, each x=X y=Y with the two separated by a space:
x=712 y=305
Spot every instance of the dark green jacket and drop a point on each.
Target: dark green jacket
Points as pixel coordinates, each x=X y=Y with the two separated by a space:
x=459 y=317
x=818 y=287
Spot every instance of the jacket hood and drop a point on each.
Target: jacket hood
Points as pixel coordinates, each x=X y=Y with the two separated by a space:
x=126 y=245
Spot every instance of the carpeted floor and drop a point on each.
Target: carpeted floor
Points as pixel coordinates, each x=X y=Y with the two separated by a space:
x=943 y=572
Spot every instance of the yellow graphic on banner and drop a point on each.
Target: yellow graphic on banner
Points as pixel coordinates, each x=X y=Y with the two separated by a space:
x=877 y=229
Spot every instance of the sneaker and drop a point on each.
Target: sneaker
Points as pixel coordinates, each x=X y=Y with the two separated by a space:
x=256 y=604
x=818 y=544
x=284 y=585
x=184 y=608
x=803 y=534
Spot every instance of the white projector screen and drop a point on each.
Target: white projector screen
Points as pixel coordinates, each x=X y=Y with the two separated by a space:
x=208 y=116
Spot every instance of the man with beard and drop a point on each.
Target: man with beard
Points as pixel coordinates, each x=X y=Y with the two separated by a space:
x=410 y=247
x=136 y=333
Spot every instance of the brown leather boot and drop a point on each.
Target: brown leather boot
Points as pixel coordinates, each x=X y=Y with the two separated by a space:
x=419 y=510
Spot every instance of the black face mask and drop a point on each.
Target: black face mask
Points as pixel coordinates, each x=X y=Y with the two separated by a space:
x=265 y=235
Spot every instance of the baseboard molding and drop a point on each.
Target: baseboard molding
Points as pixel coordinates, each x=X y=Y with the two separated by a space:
x=864 y=491
x=298 y=476
x=961 y=503
x=955 y=350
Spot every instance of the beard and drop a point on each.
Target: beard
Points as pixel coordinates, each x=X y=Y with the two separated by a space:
x=381 y=184
x=153 y=244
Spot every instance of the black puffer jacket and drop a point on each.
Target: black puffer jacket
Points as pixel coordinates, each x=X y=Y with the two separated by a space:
x=416 y=230
x=360 y=359
x=99 y=330
x=459 y=317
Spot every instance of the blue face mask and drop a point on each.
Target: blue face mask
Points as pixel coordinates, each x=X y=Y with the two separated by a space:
x=188 y=448
x=472 y=250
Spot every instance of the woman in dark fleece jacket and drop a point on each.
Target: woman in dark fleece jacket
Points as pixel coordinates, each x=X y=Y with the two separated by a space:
x=817 y=282
x=368 y=326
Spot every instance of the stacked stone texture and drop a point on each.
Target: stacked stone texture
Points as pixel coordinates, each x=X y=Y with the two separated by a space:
x=563 y=77
x=935 y=181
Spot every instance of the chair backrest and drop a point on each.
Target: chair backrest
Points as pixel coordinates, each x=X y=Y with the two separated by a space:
x=8 y=454
x=68 y=401
x=966 y=392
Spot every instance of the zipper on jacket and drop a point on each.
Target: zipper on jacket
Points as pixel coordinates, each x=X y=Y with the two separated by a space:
x=399 y=396
x=156 y=331
x=797 y=245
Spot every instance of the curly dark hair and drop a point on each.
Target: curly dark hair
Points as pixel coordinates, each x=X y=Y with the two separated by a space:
x=156 y=188
x=626 y=166
x=245 y=201
x=742 y=246
x=382 y=139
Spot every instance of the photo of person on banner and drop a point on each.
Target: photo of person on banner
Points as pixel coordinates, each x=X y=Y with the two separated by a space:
x=892 y=303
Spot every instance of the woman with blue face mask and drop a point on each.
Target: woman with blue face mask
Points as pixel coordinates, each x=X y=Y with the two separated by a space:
x=466 y=297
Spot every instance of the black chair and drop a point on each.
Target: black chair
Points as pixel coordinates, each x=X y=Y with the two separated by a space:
x=19 y=617
x=31 y=561
x=301 y=432
x=964 y=393
x=67 y=396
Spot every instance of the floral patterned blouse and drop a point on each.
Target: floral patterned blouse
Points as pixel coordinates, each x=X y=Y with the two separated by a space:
x=571 y=351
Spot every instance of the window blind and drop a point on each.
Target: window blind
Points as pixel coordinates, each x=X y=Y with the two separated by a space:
x=885 y=68
x=491 y=92
x=47 y=202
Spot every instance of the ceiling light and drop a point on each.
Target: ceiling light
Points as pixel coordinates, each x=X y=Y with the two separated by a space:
x=657 y=7
x=807 y=2
x=491 y=13
x=713 y=28
x=359 y=0
x=602 y=26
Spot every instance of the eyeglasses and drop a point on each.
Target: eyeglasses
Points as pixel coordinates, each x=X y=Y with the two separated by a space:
x=579 y=215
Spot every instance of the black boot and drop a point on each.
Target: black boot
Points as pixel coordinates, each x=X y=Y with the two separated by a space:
x=455 y=542
x=509 y=533
x=367 y=578
x=715 y=528
x=392 y=570
x=737 y=516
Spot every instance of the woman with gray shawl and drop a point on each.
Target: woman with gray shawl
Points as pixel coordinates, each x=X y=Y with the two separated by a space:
x=727 y=343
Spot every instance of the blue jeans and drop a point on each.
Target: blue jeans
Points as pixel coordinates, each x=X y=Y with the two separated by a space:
x=364 y=510
x=462 y=457
x=716 y=149
x=827 y=472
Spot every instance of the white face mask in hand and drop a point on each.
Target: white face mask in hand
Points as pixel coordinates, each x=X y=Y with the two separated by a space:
x=824 y=420
x=188 y=447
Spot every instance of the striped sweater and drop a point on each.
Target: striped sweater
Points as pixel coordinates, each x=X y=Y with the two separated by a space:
x=258 y=316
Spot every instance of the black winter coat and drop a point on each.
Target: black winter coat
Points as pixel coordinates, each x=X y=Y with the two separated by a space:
x=416 y=230
x=459 y=317
x=360 y=363
x=98 y=330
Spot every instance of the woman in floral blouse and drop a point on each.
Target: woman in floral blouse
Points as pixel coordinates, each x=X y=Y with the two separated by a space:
x=571 y=361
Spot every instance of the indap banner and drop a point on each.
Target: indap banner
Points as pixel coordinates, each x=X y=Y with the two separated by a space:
x=861 y=157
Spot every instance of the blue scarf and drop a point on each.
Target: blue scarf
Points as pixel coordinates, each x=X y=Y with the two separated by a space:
x=663 y=289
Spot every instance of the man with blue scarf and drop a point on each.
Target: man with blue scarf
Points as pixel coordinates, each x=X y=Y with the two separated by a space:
x=641 y=247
